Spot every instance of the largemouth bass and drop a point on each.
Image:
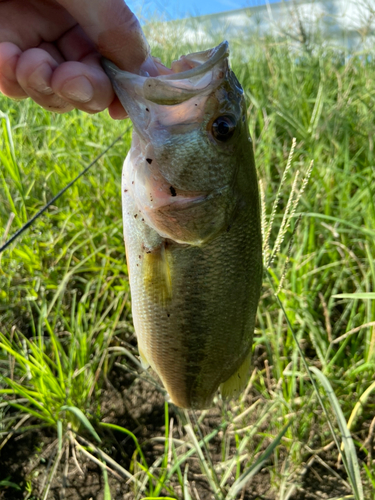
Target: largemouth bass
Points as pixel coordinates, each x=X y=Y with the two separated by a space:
x=191 y=225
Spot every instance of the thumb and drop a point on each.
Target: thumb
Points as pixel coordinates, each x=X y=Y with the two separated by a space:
x=115 y=30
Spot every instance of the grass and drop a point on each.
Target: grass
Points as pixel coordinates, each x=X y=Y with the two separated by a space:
x=65 y=315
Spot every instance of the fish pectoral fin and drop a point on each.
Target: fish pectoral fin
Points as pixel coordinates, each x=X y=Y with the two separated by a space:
x=235 y=384
x=157 y=276
x=145 y=364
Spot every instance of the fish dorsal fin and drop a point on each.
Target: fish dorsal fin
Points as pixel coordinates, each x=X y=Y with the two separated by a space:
x=235 y=384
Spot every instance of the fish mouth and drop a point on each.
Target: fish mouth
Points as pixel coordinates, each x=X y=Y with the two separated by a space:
x=202 y=61
x=190 y=76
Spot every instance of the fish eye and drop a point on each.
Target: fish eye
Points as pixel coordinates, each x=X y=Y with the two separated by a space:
x=223 y=128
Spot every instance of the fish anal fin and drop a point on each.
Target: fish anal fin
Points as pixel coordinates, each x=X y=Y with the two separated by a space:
x=235 y=384
x=144 y=362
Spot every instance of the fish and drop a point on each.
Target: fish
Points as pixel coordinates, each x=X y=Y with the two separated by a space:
x=192 y=229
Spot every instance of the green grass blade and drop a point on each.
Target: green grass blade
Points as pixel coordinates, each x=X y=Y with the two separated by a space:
x=83 y=419
x=32 y=412
x=107 y=491
x=249 y=473
x=349 y=468
x=57 y=349
x=21 y=391
x=357 y=295
x=158 y=498
x=5 y=483
x=349 y=448
x=128 y=433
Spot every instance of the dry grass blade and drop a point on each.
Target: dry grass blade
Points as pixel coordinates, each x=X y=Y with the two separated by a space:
x=119 y=471
x=53 y=472
x=208 y=471
x=187 y=495
x=352 y=331
x=267 y=230
x=17 y=426
x=97 y=461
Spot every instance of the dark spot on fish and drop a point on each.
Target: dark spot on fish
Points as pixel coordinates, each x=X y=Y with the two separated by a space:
x=137 y=265
x=195 y=104
x=132 y=182
x=147 y=109
x=228 y=228
x=238 y=375
x=173 y=191
x=135 y=216
x=148 y=251
x=125 y=190
x=149 y=160
x=143 y=220
x=140 y=256
x=168 y=315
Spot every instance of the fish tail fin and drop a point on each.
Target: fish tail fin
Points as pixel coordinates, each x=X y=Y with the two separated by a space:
x=237 y=382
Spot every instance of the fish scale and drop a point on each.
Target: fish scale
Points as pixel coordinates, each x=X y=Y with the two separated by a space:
x=194 y=251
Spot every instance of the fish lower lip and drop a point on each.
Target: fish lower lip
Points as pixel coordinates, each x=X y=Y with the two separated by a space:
x=181 y=201
x=186 y=200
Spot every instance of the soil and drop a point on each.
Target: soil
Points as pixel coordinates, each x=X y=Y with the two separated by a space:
x=138 y=406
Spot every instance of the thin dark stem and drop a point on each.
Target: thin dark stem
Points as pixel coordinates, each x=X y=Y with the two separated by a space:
x=60 y=193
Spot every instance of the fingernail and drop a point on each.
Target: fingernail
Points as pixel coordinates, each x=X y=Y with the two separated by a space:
x=78 y=89
x=40 y=78
x=149 y=67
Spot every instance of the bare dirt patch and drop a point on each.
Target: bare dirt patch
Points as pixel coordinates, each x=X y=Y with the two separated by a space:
x=138 y=406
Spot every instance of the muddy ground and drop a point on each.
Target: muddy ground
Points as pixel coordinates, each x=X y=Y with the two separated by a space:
x=139 y=407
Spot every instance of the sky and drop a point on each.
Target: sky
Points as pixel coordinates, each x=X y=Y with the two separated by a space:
x=177 y=9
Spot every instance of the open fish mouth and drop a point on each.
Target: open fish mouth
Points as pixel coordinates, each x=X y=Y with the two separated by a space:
x=190 y=75
x=163 y=99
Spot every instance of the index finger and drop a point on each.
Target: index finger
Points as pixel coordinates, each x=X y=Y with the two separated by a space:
x=115 y=30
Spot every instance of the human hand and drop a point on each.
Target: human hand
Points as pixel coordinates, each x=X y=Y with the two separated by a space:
x=50 y=51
